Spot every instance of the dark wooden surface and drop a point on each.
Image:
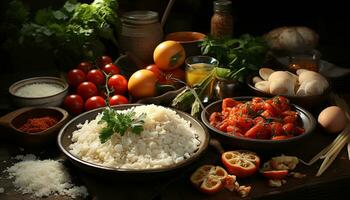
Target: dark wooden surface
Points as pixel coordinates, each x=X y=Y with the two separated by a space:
x=333 y=184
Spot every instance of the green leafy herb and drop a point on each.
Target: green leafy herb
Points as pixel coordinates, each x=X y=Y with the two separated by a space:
x=120 y=123
x=75 y=32
x=237 y=56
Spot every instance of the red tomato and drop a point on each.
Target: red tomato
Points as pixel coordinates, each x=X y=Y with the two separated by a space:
x=276 y=128
x=87 y=89
x=118 y=83
x=253 y=132
x=241 y=163
x=85 y=66
x=94 y=102
x=118 y=99
x=95 y=76
x=229 y=103
x=75 y=77
x=74 y=104
x=157 y=72
x=288 y=128
x=105 y=60
x=275 y=174
x=111 y=69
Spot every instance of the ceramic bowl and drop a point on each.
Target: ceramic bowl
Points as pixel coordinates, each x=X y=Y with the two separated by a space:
x=44 y=101
x=64 y=141
x=307 y=120
x=311 y=101
x=189 y=41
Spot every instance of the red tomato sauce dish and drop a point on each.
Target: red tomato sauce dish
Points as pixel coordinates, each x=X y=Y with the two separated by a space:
x=269 y=119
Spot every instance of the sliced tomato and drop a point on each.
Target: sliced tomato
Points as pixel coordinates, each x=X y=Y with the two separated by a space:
x=276 y=128
x=211 y=185
x=209 y=179
x=241 y=163
x=229 y=103
x=255 y=130
x=200 y=174
x=275 y=174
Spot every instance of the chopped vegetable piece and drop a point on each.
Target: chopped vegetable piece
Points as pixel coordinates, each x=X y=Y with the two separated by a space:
x=241 y=163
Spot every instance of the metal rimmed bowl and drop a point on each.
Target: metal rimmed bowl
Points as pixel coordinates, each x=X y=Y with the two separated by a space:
x=307 y=120
x=42 y=101
x=310 y=101
x=64 y=141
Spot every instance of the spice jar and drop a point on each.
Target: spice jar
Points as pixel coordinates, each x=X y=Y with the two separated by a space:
x=140 y=35
x=222 y=21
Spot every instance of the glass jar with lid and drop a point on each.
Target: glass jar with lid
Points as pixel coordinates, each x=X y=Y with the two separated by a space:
x=140 y=35
x=222 y=20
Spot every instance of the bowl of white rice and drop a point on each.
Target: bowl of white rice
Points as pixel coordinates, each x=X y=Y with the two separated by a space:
x=170 y=140
x=41 y=91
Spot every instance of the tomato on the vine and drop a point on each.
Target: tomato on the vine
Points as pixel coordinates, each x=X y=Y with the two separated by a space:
x=85 y=66
x=118 y=99
x=105 y=60
x=94 y=102
x=75 y=77
x=111 y=69
x=157 y=72
x=87 y=89
x=95 y=76
x=74 y=104
x=241 y=163
x=118 y=84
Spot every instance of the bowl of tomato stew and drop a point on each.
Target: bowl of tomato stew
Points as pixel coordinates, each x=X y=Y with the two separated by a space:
x=258 y=123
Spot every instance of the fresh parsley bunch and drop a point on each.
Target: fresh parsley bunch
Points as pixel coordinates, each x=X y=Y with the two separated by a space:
x=75 y=32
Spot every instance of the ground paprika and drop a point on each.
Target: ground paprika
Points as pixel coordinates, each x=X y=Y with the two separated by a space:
x=38 y=124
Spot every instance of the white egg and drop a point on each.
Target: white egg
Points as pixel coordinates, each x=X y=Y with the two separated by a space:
x=332 y=119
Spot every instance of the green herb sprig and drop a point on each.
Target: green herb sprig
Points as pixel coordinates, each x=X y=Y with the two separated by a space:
x=118 y=122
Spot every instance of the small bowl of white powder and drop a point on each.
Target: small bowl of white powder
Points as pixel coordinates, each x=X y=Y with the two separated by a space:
x=39 y=91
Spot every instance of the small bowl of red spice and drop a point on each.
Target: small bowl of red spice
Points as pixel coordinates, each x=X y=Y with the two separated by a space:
x=31 y=126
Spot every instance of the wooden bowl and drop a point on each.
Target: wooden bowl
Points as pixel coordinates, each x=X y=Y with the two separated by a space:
x=12 y=121
x=308 y=122
x=64 y=141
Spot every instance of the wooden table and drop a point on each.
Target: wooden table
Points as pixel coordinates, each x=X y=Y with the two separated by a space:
x=333 y=184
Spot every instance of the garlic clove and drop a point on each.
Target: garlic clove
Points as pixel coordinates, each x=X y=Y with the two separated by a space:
x=263 y=86
x=256 y=79
x=265 y=73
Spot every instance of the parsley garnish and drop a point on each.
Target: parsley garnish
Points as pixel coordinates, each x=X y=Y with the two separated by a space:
x=120 y=123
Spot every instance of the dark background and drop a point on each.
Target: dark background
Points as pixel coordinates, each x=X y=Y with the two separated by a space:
x=330 y=19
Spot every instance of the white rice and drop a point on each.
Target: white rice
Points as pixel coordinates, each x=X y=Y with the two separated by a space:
x=167 y=139
x=39 y=90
